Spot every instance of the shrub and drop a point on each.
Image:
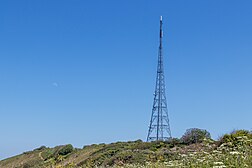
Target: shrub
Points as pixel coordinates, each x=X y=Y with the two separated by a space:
x=195 y=135
x=139 y=141
x=240 y=133
x=174 y=142
x=57 y=151
x=47 y=154
x=233 y=137
x=64 y=150
x=156 y=145
x=40 y=148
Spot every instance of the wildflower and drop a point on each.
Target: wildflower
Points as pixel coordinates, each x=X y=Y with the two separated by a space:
x=200 y=160
x=183 y=155
x=234 y=153
x=218 y=163
x=222 y=166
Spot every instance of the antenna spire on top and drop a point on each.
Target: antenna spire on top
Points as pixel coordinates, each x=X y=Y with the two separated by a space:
x=161 y=18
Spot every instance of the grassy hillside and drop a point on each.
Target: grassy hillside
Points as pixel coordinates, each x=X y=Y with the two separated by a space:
x=232 y=150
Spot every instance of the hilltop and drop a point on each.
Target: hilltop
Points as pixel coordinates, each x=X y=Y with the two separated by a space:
x=194 y=149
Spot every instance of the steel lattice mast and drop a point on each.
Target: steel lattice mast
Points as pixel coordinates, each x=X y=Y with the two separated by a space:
x=159 y=129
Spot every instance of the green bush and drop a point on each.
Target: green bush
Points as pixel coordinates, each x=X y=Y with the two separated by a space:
x=233 y=137
x=240 y=133
x=174 y=142
x=47 y=154
x=57 y=151
x=195 y=135
x=40 y=148
x=64 y=150
x=156 y=145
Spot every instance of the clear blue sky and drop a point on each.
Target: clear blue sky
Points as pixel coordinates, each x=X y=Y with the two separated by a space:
x=83 y=72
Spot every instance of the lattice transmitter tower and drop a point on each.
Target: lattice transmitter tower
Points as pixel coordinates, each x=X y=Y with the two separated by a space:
x=159 y=129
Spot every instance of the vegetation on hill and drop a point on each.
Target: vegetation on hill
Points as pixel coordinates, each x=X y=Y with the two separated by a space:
x=194 y=149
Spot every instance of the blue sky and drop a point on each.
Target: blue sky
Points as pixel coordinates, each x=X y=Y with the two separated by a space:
x=83 y=72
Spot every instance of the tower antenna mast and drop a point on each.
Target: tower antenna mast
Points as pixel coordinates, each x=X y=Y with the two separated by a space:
x=159 y=128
